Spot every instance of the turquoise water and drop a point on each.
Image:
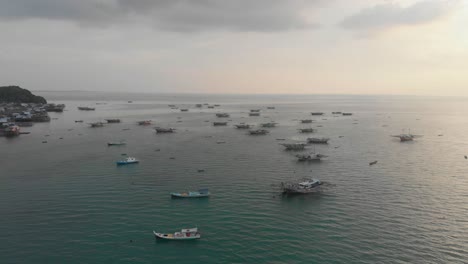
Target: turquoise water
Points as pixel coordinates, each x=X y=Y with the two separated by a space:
x=65 y=201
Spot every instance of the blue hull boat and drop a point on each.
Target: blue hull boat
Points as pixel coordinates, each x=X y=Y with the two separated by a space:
x=126 y=161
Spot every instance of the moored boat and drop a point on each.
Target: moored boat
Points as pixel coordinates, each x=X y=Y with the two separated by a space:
x=128 y=160
x=318 y=140
x=184 y=234
x=191 y=194
x=307 y=186
x=259 y=132
x=294 y=146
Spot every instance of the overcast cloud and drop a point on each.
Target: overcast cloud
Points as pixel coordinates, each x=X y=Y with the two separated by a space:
x=171 y=15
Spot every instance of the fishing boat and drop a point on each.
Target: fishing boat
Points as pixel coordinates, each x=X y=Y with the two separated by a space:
x=11 y=130
x=310 y=157
x=254 y=114
x=85 y=108
x=318 y=140
x=347 y=114
x=210 y=106
x=97 y=124
x=269 y=124
x=306 y=130
x=406 y=137
x=294 y=146
x=317 y=113
x=270 y=107
x=113 y=120
x=78 y=121
x=192 y=194
x=222 y=115
x=306 y=186
x=198 y=105
x=144 y=122
x=306 y=121
x=164 y=130
x=243 y=126
x=184 y=110
x=254 y=110
x=184 y=234
x=119 y=143
x=337 y=113
x=128 y=160
x=219 y=123
x=259 y=132
x=373 y=162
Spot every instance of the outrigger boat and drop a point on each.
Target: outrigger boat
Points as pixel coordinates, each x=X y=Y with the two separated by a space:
x=243 y=126
x=184 y=234
x=164 y=130
x=192 y=194
x=318 y=140
x=128 y=160
x=120 y=143
x=307 y=186
x=406 y=137
x=259 y=132
x=269 y=124
x=294 y=146
x=144 y=122
x=310 y=157
x=219 y=123
x=222 y=115
x=306 y=130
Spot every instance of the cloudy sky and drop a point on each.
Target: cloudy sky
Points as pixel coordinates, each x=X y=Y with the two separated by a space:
x=237 y=46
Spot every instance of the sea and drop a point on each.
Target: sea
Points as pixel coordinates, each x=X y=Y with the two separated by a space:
x=64 y=200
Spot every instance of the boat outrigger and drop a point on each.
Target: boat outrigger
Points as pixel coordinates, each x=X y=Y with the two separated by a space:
x=192 y=194
x=128 y=160
x=184 y=234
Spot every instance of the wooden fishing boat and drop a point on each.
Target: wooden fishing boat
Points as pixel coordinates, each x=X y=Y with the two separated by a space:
x=184 y=234
x=192 y=194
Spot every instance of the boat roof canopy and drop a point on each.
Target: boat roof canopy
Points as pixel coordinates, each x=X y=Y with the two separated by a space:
x=190 y=230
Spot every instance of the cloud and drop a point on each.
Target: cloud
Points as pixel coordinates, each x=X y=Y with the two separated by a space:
x=390 y=15
x=170 y=15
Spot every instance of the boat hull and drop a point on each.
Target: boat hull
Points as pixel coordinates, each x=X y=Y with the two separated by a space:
x=119 y=163
x=172 y=237
x=186 y=195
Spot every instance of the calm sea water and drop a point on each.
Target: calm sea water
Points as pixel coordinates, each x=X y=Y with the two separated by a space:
x=65 y=201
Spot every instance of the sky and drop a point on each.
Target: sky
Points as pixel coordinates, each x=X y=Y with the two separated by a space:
x=415 y=47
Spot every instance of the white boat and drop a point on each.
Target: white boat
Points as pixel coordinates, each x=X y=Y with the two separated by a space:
x=307 y=186
x=164 y=130
x=128 y=160
x=294 y=146
x=184 y=234
x=318 y=140
x=259 y=132
x=310 y=157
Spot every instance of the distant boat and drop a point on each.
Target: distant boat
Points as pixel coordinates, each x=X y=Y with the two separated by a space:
x=199 y=105
x=270 y=107
x=347 y=114
x=113 y=120
x=254 y=114
x=310 y=157
x=243 y=126
x=78 y=121
x=128 y=160
x=184 y=110
x=406 y=137
x=337 y=113
x=184 y=234
x=318 y=140
x=317 y=113
x=294 y=146
x=373 y=163
x=307 y=186
x=120 y=143
x=130 y=102
x=254 y=110
x=306 y=130
x=85 y=108
x=97 y=124
x=259 y=132
x=269 y=124
x=219 y=123
x=164 y=130
x=192 y=194
x=144 y=122
x=222 y=115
